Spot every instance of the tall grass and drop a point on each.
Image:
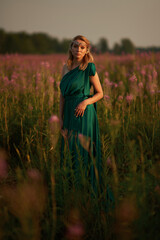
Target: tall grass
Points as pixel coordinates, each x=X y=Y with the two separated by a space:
x=41 y=200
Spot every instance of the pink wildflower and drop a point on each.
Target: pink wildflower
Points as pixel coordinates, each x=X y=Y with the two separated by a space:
x=120 y=83
x=34 y=174
x=140 y=85
x=111 y=83
x=106 y=97
x=6 y=79
x=154 y=74
x=75 y=231
x=152 y=91
x=106 y=74
x=133 y=78
x=38 y=77
x=53 y=118
x=150 y=66
x=107 y=82
x=129 y=98
x=149 y=78
x=47 y=64
x=14 y=75
x=58 y=83
x=120 y=98
x=143 y=72
x=51 y=80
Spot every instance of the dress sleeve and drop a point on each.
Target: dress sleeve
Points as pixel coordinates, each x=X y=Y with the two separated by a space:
x=92 y=71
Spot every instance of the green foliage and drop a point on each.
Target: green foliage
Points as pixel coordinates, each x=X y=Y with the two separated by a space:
x=103 y=45
x=126 y=46
x=36 y=43
x=42 y=43
x=117 y=48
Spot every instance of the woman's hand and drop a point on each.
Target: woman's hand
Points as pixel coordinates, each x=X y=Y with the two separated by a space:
x=79 y=110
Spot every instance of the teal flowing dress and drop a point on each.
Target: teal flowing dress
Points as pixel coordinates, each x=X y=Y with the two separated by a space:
x=81 y=149
x=75 y=87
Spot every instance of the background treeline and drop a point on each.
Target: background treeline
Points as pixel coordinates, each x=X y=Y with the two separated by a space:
x=42 y=43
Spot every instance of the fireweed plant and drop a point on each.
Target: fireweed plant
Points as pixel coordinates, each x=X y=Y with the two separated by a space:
x=37 y=199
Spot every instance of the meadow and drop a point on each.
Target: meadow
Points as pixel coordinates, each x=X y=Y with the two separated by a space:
x=36 y=198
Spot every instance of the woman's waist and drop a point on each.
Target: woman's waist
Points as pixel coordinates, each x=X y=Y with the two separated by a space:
x=77 y=96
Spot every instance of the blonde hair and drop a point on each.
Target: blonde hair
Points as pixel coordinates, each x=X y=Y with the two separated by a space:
x=87 y=57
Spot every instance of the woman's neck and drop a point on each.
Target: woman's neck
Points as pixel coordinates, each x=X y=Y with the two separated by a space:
x=76 y=62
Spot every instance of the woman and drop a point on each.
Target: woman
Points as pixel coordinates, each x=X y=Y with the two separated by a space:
x=78 y=117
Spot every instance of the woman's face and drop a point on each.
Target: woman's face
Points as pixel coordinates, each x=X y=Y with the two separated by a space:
x=79 y=49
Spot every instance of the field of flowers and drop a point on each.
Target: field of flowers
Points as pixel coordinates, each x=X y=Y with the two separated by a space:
x=36 y=199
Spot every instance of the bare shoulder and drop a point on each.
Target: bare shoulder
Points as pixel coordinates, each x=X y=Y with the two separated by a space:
x=65 y=66
x=65 y=70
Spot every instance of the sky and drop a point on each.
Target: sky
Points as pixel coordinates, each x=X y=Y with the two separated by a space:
x=137 y=20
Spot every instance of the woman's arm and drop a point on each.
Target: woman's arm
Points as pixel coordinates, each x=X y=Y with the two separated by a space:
x=61 y=102
x=79 y=111
x=97 y=88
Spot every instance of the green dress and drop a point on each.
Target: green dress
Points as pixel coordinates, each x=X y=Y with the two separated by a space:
x=75 y=87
